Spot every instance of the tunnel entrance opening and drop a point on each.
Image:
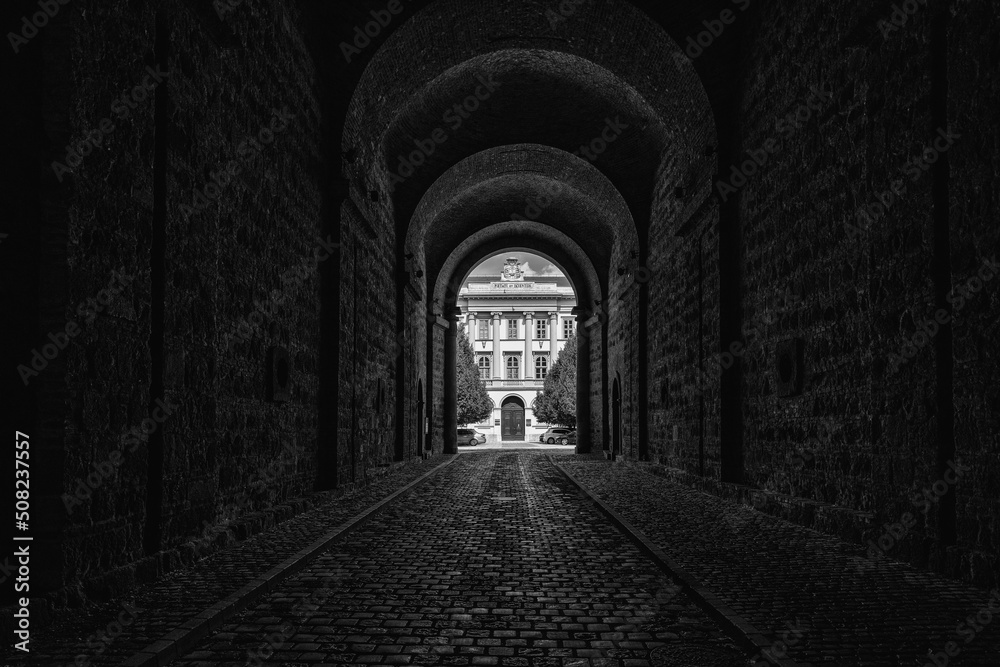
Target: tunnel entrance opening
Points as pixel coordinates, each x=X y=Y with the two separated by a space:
x=516 y=310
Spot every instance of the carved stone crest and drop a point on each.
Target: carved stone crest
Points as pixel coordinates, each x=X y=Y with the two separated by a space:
x=512 y=270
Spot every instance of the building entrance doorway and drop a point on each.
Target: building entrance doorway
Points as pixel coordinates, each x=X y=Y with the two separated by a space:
x=512 y=420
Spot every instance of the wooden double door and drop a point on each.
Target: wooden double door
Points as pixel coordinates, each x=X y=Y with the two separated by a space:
x=512 y=419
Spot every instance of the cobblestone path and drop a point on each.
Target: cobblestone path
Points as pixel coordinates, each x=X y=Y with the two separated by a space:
x=93 y=636
x=850 y=610
x=497 y=560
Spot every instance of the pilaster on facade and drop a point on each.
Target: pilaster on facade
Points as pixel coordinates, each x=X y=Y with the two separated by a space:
x=498 y=371
x=528 y=329
x=508 y=305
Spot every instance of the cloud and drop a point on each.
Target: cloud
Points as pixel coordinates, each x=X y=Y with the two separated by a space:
x=550 y=270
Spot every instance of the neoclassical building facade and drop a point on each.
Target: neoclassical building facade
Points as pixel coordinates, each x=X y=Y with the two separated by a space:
x=517 y=327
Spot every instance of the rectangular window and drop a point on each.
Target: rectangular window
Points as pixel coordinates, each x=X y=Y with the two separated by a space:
x=484 y=366
x=484 y=329
x=541 y=366
x=542 y=329
x=512 y=329
x=569 y=326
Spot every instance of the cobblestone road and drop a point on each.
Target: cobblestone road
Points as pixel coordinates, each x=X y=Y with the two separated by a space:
x=497 y=560
x=93 y=636
x=849 y=610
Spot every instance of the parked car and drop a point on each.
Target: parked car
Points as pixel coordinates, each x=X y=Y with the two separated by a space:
x=568 y=439
x=553 y=434
x=470 y=436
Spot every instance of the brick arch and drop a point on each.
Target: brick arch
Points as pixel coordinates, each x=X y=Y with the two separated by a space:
x=644 y=114
x=517 y=235
x=575 y=208
x=579 y=72
x=540 y=239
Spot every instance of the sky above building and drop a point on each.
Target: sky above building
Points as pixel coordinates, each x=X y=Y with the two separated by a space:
x=533 y=266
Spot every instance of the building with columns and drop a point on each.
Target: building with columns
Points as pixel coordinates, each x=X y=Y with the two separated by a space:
x=517 y=327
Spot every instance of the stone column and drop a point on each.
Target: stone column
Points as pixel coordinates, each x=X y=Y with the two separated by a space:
x=529 y=326
x=583 y=435
x=451 y=384
x=497 y=354
x=553 y=337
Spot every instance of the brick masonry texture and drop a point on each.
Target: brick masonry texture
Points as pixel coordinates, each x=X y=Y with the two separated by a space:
x=772 y=265
x=843 y=602
x=498 y=560
x=161 y=607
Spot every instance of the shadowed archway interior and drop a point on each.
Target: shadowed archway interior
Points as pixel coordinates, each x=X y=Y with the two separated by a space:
x=244 y=297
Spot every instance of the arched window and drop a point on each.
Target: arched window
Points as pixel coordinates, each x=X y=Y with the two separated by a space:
x=541 y=366
x=484 y=366
x=513 y=367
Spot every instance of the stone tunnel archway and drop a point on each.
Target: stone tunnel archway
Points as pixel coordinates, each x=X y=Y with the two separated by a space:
x=564 y=253
x=582 y=223
x=438 y=174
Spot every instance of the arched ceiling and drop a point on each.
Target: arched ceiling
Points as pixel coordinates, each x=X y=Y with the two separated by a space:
x=542 y=97
x=559 y=84
x=552 y=189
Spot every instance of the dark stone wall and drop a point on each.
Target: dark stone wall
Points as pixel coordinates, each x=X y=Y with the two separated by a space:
x=975 y=237
x=862 y=434
x=683 y=304
x=232 y=264
x=369 y=348
x=201 y=274
x=857 y=434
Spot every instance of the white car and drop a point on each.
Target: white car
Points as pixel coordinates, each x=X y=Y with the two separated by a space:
x=553 y=435
x=471 y=437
